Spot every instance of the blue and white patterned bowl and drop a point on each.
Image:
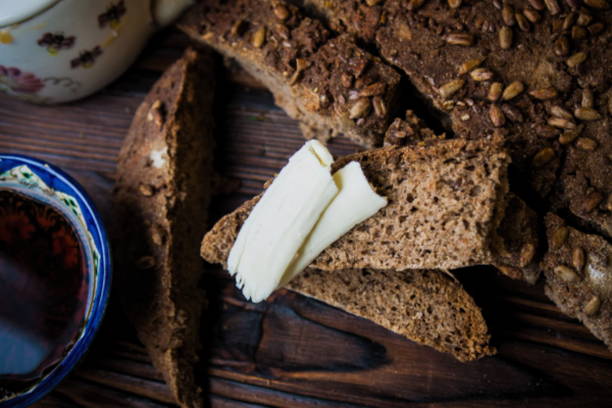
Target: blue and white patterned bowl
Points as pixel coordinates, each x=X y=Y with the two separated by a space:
x=48 y=184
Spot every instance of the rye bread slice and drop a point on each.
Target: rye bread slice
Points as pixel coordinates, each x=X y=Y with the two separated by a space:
x=445 y=204
x=161 y=198
x=578 y=271
x=328 y=83
x=555 y=113
x=425 y=306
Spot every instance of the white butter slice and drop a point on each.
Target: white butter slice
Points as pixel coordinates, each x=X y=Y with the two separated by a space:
x=355 y=203
x=279 y=223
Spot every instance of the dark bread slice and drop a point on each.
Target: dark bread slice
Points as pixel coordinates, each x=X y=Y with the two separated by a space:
x=427 y=307
x=328 y=83
x=445 y=204
x=161 y=198
x=436 y=46
x=578 y=271
x=516 y=242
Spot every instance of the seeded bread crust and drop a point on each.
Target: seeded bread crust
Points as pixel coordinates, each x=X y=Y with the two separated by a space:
x=426 y=307
x=535 y=72
x=578 y=271
x=410 y=130
x=160 y=209
x=328 y=83
x=445 y=204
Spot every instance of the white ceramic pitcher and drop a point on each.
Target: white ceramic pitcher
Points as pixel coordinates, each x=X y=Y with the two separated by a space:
x=59 y=50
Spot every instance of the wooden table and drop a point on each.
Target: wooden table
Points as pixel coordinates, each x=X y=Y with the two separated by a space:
x=293 y=351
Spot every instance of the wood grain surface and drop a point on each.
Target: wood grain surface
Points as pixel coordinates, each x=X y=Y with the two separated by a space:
x=293 y=351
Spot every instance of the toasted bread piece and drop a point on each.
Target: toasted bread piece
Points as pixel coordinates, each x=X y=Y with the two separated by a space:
x=445 y=204
x=427 y=307
x=161 y=199
x=578 y=273
x=566 y=161
x=328 y=83
x=516 y=241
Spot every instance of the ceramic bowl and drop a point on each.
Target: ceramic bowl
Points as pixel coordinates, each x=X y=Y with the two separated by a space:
x=47 y=184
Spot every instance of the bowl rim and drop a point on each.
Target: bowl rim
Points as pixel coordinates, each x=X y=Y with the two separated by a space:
x=100 y=296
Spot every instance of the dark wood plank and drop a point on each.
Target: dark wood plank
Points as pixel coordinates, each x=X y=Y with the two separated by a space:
x=294 y=351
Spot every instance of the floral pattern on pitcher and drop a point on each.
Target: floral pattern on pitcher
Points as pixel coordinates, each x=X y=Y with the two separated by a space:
x=112 y=15
x=86 y=58
x=15 y=81
x=54 y=42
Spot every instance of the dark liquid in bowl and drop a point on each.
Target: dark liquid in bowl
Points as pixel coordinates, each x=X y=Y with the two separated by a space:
x=43 y=290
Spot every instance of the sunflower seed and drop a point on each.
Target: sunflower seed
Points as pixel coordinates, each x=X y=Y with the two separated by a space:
x=512 y=113
x=495 y=91
x=568 y=21
x=578 y=33
x=578 y=258
x=592 y=306
x=377 y=88
x=543 y=156
x=527 y=253
x=238 y=28
x=531 y=15
x=469 y=65
x=513 y=90
x=537 y=4
x=584 y=19
x=598 y=4
x=592 y=200
x=481 y=74
x=523 y=23
x=546 y=131
x=570 y=135
x=561 y=47
x=511 y=272
x=561 y=123
x=259 y=37
x=508 y=15
x=460 y=39
x=360 y=108
x=505 y=37
x=450 y=88
x=584 y=143
x=497 y=116
x=414 y=4
x=566 y=273
x=454 y=3
x=544 y=93
x=552 y=6
x=576 y=59
x=595 y=28
x=558 y=237
x=380 y=109
x=558 y=111
x=587 y=114
x=281 y=12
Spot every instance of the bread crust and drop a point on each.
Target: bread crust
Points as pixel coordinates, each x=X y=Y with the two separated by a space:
x=578 y=273
x=161 y=199
x=439 y=47
x=327 y=82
